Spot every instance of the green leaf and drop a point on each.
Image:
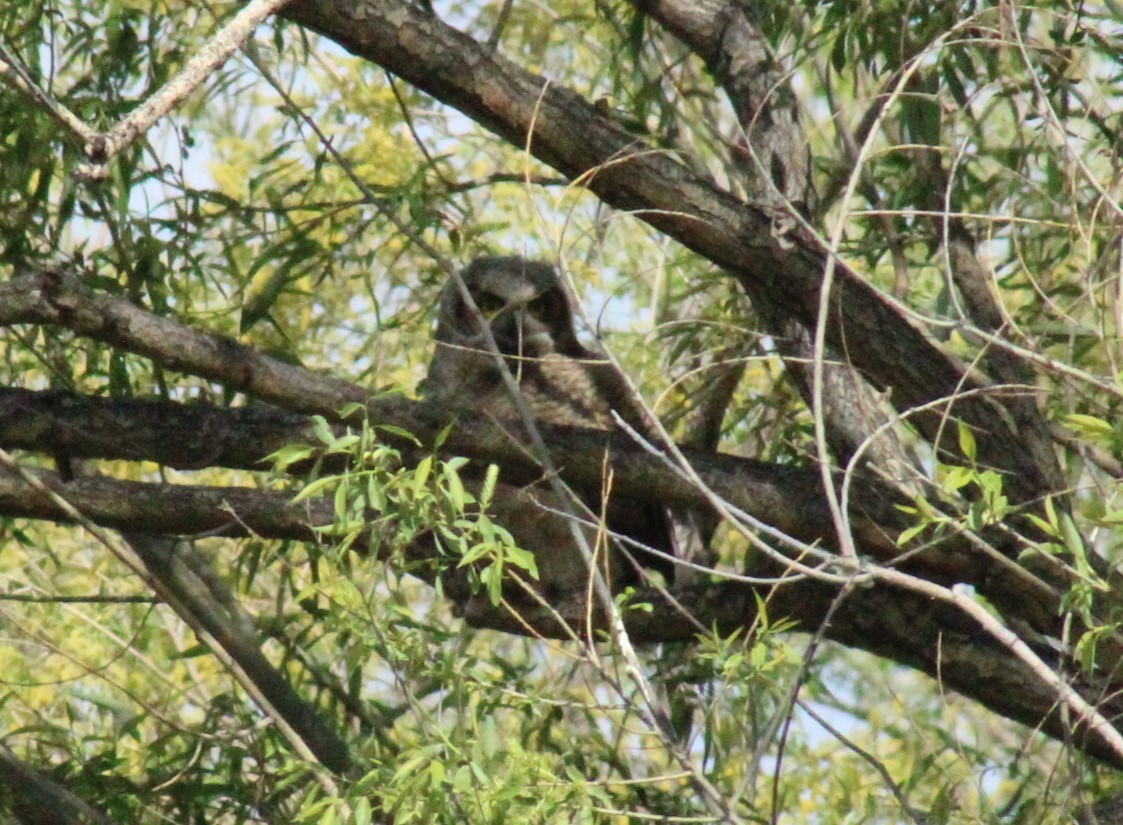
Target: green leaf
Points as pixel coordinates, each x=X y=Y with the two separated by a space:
x=1051 y=515
x=400 y=433
x=421 y=473
x=341 y=502
x=376 y=494
x=490 y=480
x=457 y=495
x=462 y=780
x=958 y=478
x=316 y=487
x=350 y=409
x=1043 y=525
x=523 y=559
x=909 y=533
x=362 y=811
x=322 y=430
x=442 y=437
x=1089 y=425
x=966 y=441
x=290 y=454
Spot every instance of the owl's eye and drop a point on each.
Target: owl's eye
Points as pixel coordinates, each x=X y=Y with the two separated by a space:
x=490 y=305
x=539 y=306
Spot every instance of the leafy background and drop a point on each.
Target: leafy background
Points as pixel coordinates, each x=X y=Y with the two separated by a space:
x=235 y=216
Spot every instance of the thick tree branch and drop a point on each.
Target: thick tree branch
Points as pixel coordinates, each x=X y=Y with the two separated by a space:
x=788 y=499
x=891 y=622
x=725 y=35
x=981 y=305
x=570 y=134
x=198 y=435
x=55 y=297
x=169 y=509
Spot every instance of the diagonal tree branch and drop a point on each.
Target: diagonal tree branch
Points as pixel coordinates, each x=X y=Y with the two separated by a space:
x=100 y=147
x=37 y=800
x=201 y=598
x=201 y=602
x=51 y=296
x=726 y=36
x=570 y=134
x=981 y=305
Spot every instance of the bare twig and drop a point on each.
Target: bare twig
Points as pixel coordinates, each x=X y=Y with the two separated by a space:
x=100 y=147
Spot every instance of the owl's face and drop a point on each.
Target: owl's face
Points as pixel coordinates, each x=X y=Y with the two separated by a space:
x=522 y=301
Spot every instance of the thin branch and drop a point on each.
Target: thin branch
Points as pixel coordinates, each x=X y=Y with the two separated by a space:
x=919 y=817
x=202 y=65
x=47 y=598
x=100 y=147
x=15 y=73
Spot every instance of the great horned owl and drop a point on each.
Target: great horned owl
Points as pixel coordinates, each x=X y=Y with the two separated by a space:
x=528 y=312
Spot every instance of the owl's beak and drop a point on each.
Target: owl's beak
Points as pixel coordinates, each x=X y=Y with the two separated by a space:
x=530 y=338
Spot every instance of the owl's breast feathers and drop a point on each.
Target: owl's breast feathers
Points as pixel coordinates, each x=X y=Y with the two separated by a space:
x=559 y=390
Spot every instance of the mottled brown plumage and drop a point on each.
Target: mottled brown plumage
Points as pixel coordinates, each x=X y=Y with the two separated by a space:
x=528 y=312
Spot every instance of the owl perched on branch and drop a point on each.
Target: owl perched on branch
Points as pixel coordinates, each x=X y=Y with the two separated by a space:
x=528 y=313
